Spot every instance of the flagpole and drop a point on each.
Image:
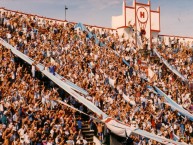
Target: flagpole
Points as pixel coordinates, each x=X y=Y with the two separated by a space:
x=65 y=11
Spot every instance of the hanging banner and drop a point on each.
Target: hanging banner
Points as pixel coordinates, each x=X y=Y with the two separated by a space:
x=157 y=138
x=174 y=105
x=169 y=66
x=115 y=126
x=72 y=85
x=59 y=82
x=124 y=131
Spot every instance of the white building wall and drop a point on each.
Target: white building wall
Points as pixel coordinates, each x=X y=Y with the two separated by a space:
x=127 y=33
x=155 y=24
x=130 y=16
x=117 y=21
x=154 y=36
x=147 y=19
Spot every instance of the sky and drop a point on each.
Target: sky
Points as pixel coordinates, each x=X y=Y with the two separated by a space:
x=176 y=15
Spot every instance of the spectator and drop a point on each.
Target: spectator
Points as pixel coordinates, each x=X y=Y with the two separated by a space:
x=97 y=69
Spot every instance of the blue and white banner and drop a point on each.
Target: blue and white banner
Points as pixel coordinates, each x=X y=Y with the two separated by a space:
x=127 y=99
x=150 y=88
x=174 y=105
x=74 y=94
x=118 y=128
x=72 y=86
x=59 y=82
x=61 y=102
x=157 y=138
x=40 y=66
x=115 y=126
x=169 y=66
x=83 y=28
x=123 y=130
x=4 y=43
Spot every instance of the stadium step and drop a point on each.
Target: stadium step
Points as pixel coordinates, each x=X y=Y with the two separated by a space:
x=89 y=134
x=89 y=139
x=85 y=125
x=91 y=143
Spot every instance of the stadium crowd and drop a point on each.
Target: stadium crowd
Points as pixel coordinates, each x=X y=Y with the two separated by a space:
x=29 y=114
x=117 y=89
x=179 y=54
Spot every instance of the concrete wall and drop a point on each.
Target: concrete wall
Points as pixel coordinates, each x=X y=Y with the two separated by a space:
x=155 y=21
x=130 y=15
x=117 y=21
x=126 y=31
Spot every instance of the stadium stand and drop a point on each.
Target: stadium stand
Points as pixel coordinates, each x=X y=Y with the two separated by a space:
x=121 y=90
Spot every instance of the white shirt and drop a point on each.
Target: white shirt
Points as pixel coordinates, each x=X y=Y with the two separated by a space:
x=15 y=117
x=49 y=143
x=33 y=68
x=1 y=108
x=8 y=35
x=26 y=138
x=190 y=129
x=21 y=132
x=84 y=141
